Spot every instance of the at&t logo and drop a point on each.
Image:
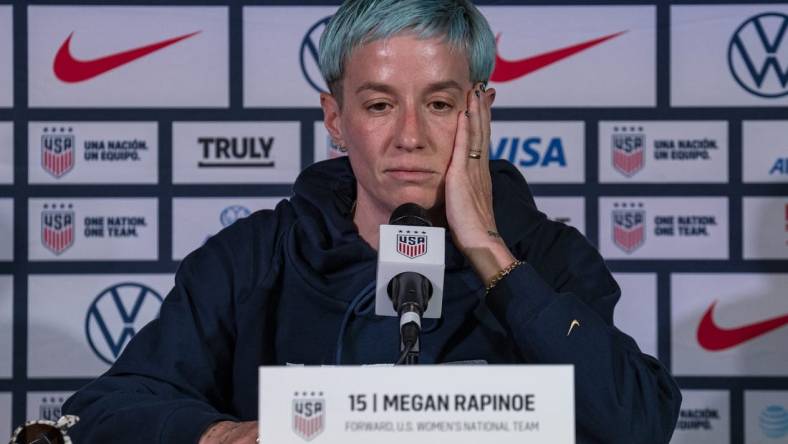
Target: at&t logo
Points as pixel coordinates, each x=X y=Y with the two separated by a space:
x=774 y=421
x=232 y=213
x=755 y=57
x=116 y=315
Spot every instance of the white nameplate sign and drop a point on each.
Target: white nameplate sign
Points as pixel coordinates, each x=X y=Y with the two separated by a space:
x=418 y=404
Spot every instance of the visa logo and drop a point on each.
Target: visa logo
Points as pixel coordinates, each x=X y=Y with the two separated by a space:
x=530 y=152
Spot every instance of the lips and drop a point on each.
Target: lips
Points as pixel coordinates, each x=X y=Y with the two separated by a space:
x=412 y=169
x=410 y=174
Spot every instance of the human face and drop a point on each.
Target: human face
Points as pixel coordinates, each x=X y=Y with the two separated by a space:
x=401 y=101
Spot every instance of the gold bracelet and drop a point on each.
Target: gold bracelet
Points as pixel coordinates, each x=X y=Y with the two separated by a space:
x=501 y=274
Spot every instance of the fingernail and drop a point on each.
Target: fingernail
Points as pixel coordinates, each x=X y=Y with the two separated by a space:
x=483 y=87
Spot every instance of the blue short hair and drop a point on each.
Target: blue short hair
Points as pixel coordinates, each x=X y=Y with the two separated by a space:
x=358 y=22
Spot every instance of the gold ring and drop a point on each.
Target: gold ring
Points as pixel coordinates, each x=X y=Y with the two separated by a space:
x=475 y=154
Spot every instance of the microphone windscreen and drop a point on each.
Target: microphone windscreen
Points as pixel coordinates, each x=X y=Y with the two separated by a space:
x=410 y=214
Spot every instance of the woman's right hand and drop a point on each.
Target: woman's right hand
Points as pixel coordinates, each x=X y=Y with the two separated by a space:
x=230 y=432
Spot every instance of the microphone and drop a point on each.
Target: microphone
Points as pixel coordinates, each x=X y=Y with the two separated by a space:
x=410 y=273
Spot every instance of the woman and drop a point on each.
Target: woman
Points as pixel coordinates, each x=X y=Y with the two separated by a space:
x=294 y=285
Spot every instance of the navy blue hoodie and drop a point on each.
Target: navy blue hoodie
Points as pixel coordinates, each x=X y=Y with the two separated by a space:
x=295 y=285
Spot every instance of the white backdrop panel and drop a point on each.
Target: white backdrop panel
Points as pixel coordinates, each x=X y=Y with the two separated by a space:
x=103 y=152
x=5 y=415
x=711 y=315
x=6 y=325
x=707 y=67
x=6 y=152
x=190 y=72
x=636 y=311
x=6 y=229
x=663 y=227
x=619 y=71
x=236 y=152
x=765 y=151
x=545 y=152
x=765 y=232
x=568 y=210
x=195 y=219
x=765 y=417
x=45 y=405
x=672 y=151
x=6 y=57
x=102 y=229
x=704 y=418
x=280 y=55
x=77 y=330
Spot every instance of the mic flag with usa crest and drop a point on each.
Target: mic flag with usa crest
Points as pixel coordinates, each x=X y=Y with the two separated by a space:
x=411 y=243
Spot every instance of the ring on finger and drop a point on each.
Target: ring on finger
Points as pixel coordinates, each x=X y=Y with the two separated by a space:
x=475 y=154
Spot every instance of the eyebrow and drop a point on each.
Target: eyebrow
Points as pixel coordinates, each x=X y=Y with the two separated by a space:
x=433 y=87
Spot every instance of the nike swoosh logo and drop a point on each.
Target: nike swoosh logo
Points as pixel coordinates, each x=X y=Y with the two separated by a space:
x=572 y=325
x=506 y=70
x=714 y=338
x=71 y=70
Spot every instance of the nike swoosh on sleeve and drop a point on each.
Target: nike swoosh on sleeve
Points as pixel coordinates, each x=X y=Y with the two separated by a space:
x=506 y=70
x=71 y=70
x=714 y=338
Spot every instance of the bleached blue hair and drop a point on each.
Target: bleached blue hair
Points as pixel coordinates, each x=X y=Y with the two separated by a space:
x=358 y=22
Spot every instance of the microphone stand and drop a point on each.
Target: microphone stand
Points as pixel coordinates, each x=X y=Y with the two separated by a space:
x=410 y=292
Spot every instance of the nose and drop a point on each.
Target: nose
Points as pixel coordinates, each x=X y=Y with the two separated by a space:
x=410 y=129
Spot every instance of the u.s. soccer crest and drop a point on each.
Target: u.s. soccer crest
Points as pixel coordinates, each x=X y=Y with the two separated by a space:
x=412 y=243
x=57 y=151
x=629 y=226
x=50 y=408
x=57 y=227
x=309 y=414
x=628 y=150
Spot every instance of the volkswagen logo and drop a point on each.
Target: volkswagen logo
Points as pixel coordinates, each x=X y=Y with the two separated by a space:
x=309 y=58
x=755 y=57
x=116 y=315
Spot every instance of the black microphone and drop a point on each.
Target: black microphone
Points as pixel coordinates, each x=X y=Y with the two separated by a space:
x=410 y=291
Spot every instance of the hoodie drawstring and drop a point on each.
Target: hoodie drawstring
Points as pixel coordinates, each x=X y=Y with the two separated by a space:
x=356 y=302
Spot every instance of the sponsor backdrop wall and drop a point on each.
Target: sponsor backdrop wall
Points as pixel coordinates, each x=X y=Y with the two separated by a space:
x=131 y=132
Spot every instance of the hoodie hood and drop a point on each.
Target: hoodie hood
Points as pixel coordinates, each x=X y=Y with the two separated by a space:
x=329 y=241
